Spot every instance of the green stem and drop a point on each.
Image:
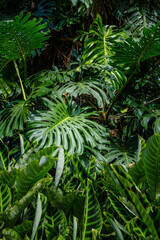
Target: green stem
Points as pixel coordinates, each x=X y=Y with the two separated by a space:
x=18 y=74
x=3 y=164
x=25 y=66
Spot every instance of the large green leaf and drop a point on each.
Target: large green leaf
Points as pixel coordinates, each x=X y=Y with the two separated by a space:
x=142 y=204
x=87 y=87
x=37 y=217
x=142 y=15
x=92 y=218
x=20 y=37
x=98 y=43
x=11 y=216
x=151 y=161
x=9 y=177
x=24 y=228
x=13 y=117
x=11 y=234
x=64 y=127
x=137 y=171
x=33 y=172
x=129 y=54
x=55 y=223
x=5 y=197
x=60 y=166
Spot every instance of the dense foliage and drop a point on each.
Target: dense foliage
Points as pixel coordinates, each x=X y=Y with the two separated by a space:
x=79 y=119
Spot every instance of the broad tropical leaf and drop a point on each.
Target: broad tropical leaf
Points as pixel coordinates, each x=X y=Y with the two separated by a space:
x=11 y=234
x=24 y=228
x=37 y=217
x=5 y=197
x=92 y=218
x=9 y=177
x=141 y=15
x=13 y=117
x=10 y=216
x=33 y=172
x=98 y=43
x=61 y=126
x=124 y=153
x=87 y=87
x=137 y=171
x=20 y=37
x=117 y=79
x=151 y=161
x=129 y=54
x=55 y=223
x=60 y=166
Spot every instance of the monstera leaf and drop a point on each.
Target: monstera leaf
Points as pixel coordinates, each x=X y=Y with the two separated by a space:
x=129 y=53
x=98 y=43
x=65 y=127
x=20 y=37
x=13 y=117
x=87 y=87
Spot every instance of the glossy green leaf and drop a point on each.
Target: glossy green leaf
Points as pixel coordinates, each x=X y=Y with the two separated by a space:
x=142 y=205
x=10 y=234
x=37 y=217
x=58 y=125
x=92 y=218
x=24 y=228
x=14 y=34
x=13 y=117
x=11 y=216
x=60 y=166
x=5 y=197
x=151 y=161
x=33 y=172
x=129 y=53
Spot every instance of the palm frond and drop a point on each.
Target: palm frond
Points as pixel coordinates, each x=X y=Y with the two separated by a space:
x=63 y=126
